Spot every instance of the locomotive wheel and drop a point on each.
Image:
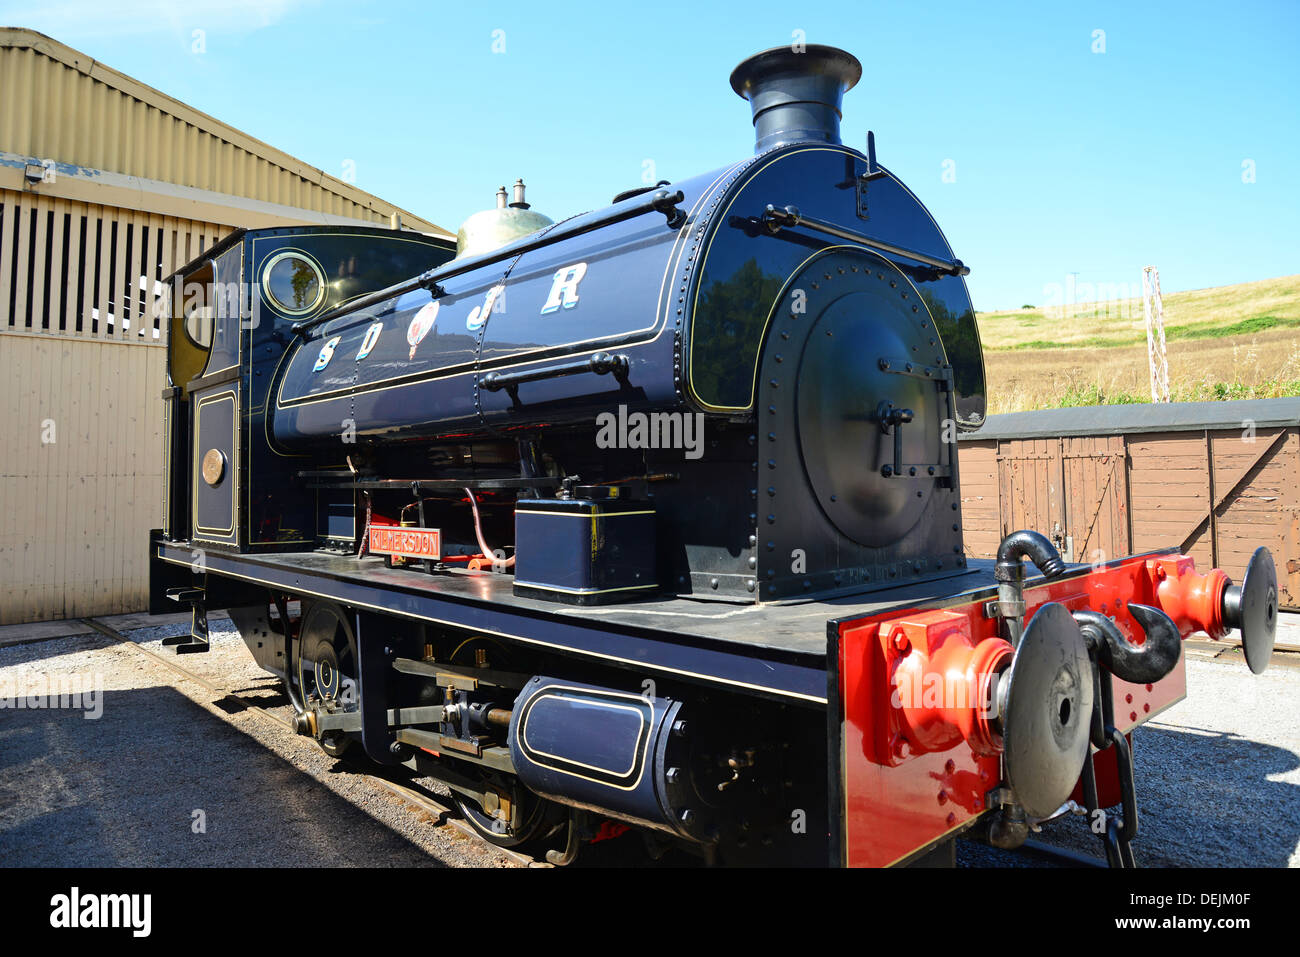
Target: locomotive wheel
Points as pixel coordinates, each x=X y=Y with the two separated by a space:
x=327 y=668
x=532 y=817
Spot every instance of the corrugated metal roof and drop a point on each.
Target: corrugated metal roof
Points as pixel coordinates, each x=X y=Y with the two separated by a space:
x=61 y=104
x=1148 y=417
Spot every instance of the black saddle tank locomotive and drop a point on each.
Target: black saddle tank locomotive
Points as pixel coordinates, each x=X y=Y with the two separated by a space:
x=575 y=524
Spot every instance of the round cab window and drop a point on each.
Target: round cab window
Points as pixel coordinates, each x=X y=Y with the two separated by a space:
x=293 y=283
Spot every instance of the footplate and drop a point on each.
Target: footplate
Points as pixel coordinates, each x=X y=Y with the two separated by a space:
x=196 y=642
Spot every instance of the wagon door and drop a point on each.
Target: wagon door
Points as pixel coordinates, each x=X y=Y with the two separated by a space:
x=1096 y=511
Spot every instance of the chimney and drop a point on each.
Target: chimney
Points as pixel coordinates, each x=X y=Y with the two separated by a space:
x=796 y=96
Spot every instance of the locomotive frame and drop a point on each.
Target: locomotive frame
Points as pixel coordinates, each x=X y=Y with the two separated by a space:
x=775 y=652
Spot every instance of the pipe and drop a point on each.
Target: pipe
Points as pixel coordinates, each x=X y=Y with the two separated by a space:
x=482 y=542
x=1010 y=575
x=1039 y=550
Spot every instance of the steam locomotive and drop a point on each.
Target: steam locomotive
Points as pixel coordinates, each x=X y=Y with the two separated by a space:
x=650 y=518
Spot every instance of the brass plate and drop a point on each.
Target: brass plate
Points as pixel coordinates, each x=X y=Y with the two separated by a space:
x=214 y=467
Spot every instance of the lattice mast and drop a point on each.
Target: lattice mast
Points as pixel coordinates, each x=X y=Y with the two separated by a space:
x=1154 y=311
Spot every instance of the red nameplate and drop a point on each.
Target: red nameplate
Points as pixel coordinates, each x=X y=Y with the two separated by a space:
x=406 y=542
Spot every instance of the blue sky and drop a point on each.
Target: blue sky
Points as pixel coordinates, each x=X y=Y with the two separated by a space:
x=1066 y=160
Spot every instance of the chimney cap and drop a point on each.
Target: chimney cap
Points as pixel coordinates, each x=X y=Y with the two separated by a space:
x=815 y=59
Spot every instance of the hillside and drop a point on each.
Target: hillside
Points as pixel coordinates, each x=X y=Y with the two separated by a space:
x=1226 y=342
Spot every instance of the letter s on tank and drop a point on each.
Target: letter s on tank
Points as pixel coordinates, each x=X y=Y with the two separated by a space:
x=564 y=288
x=326 y=354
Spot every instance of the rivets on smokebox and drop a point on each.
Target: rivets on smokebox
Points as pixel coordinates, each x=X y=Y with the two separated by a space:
x=753 y=562
x=750 y=584
x=778 y=357
x=774 y=383
x=713 y=583
x=884 y=365
x=771 y=546
x=771 y=463
x=771 y=520
x=771 y=436
x=771 y=490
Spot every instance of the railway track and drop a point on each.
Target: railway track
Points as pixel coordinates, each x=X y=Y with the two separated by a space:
x=391 y=780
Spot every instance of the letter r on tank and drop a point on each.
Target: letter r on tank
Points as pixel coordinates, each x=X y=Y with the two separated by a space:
x=564 y=288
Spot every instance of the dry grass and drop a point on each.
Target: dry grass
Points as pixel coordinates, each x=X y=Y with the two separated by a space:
x=1228 y=342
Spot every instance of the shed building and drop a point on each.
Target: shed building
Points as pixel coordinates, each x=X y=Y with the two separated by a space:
x=106 y=187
